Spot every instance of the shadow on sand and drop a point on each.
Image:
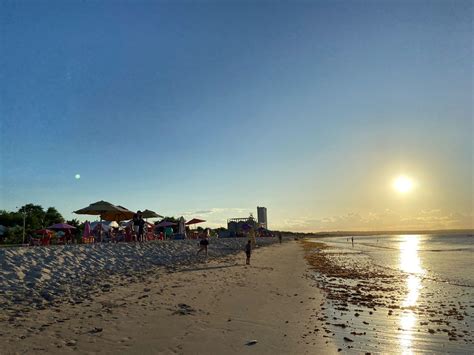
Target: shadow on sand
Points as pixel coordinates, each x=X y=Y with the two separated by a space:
x=210 y=267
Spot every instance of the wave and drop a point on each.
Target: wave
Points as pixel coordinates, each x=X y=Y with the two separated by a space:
x=387 y=247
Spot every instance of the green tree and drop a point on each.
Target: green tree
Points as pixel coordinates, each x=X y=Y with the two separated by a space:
x=10 y=219
x=52 y=216
x=169 y=219
x=34 y=216
x=74 y=222
x=14 y=235
x=77 y=233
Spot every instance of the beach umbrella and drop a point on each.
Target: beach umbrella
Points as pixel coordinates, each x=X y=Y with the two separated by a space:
x=43 y=232
x=100 y=226
x=113 y=224
x=121 y=215
x=106 y=211
x=126 y=214
x=61 y=226
x=165 y=224
x=195 y=221
x=87 y=230
x=150 y=214
x=181 y=226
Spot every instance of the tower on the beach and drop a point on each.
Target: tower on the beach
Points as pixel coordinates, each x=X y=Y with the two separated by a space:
x=262 y=217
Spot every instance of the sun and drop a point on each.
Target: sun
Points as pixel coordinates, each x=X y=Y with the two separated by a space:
x=403 y=184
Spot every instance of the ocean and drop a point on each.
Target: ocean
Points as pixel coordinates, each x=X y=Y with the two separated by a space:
x=404 y=294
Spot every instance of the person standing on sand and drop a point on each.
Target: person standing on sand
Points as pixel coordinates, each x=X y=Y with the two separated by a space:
x=248 y=251
x=141 y=228
x=136 y=224
x=279 y=237
x=203 y=245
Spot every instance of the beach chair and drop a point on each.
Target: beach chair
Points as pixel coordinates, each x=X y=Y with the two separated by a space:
x=150 y=236
x=35 y=241
x=128 y=235
x=88 y=240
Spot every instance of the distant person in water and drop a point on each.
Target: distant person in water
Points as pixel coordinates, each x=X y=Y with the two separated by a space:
x=248 y=251
x=352 y=239
x=203 y=246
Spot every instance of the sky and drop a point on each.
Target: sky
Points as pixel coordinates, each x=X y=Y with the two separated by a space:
x=211 y=108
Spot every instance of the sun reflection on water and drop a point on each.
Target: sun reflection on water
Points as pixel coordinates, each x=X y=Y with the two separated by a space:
x=409 y=263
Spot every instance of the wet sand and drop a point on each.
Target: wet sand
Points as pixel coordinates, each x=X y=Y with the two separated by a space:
x=371 y=309
x=215 y=307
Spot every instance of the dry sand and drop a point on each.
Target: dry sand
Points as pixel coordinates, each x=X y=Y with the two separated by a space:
x=209 y=308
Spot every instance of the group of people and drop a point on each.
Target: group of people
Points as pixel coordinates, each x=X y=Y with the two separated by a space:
x=135 y=231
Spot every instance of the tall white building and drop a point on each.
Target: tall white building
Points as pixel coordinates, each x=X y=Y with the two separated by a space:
x=262 y=217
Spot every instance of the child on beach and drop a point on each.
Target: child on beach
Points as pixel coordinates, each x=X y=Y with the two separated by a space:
x=248 y=251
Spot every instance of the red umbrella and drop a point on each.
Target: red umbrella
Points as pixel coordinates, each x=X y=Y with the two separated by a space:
x=43 y=231
x=195 y=221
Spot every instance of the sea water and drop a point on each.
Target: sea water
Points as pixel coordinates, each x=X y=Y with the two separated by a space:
x=429 y=306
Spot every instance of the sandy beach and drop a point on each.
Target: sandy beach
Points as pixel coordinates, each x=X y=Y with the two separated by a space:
x=212 y=307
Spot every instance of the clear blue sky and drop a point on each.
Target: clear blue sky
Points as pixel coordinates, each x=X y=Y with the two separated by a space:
x=210 y=108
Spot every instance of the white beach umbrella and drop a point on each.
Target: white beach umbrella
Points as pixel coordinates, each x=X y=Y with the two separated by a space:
x=182 y=226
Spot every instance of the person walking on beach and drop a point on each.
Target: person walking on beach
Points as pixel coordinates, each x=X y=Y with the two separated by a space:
x=248 y=251
x=279 y=237
x=203 y=246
